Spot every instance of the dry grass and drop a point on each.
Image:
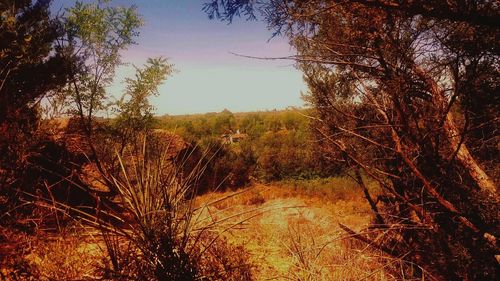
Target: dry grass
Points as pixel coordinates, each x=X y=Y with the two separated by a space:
x=156 y=235
x=284 y=231
x=295 y=234
x=67 y=255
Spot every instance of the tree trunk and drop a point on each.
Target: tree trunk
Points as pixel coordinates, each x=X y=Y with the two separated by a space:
x=483 y=181
x=465 y=159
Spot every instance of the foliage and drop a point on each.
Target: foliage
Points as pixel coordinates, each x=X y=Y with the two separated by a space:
x=395 y=89
x=277 y=145
x=289 y=154
x=225 y=168
x=254 y=124
x=97 y=32
x=135 y=113
x=158 y=234
x=31 y=68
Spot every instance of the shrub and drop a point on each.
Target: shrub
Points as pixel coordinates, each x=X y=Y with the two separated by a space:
x=157 y=234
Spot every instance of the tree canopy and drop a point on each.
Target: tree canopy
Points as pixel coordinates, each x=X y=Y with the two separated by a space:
x=406 y=91
x=31 y=67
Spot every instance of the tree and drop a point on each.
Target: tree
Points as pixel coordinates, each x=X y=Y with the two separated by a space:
x=33 y=163
x=31 y=67
x=96 y=34
x=223 y=122
x=396 y=86
x=253 y=125
x=135 y=113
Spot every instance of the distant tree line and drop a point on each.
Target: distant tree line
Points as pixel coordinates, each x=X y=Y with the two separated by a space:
x=276 y=145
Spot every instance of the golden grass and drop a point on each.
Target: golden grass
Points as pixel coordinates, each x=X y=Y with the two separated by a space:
x=295 y=235
x=289 y=230
x=67 y=257
x=72 y=254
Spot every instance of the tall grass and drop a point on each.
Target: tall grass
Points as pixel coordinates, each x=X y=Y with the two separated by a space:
x=158 y=233
x=332 y=188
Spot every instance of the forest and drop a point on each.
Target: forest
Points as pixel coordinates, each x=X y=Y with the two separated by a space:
x=389 y=172
x=270 y=145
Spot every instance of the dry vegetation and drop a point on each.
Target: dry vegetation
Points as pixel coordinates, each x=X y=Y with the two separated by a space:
x=283 y=231
x=404 y=103
x=294 y=232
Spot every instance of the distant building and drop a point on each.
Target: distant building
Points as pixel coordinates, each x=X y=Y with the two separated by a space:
x=233 y=137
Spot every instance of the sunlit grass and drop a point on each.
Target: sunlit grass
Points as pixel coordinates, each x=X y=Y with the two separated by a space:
x=297 y=236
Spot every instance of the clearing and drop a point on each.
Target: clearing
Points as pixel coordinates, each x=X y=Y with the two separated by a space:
x=293 y=233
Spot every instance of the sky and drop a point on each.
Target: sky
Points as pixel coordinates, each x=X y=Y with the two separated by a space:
x=209 y=78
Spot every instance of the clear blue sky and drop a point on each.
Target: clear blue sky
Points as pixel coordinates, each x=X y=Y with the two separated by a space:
x=210 y=78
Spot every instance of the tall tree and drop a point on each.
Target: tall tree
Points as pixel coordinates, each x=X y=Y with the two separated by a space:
x=135 y=112
x=397 y=87
x=96 y=34
x=31 y=67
